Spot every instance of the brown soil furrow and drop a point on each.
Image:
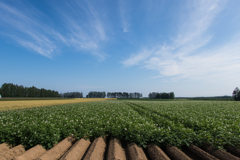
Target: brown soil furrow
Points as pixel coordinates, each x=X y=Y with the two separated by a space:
x=135 y=153
x=155 y=153
x=65 y=150
x=201 y=153
x=233 y=150
x=221 y=154
x=190 y=154
x=115 y=150
x=77 y=151
x=57 y=151
x=32 y=153
x=4 y=147
x=10 y=154
x=96 y=150
x=174 y=153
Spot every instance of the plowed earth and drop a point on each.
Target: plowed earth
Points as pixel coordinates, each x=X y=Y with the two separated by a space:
x=112 y=149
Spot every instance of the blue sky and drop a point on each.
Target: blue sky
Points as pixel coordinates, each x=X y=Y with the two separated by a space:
x=189 y=47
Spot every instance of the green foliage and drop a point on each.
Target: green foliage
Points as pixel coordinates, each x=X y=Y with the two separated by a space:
x=156 y=95
x=12 y=90
x=236 y=94
x=171 y=95
x=72 y=95
x=124 y=95
x=94 y=94
x=161 y=122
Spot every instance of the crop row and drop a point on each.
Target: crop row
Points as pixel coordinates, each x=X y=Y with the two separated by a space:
x=162 y=123
x=211 y=122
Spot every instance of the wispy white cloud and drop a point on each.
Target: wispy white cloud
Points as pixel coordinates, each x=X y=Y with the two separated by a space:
x=88 y=36
x=187 y=56
x=214 y=62
x=136 y=59
x=123 y=15
x=27 y=26
x=25 y=30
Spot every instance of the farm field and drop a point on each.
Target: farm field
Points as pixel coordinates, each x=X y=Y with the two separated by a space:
x=162 y=123
x=20 y=103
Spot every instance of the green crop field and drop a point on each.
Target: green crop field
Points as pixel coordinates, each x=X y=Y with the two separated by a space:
x=161 y=122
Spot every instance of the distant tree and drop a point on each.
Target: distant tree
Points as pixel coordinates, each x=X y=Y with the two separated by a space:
x=125 y=95
x=20 y=91
x=153 y=95
x=6 y=90
x=94 y=94
x=236 y=94
x=171 y=95
x=72 y=95
x=164 y=96
x=158 y=96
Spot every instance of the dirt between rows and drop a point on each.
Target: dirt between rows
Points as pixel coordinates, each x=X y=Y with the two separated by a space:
x=57 y=151
x=96 y=150
x=32 y=153
x=11 y=153
x=113 y=149
x=77 y=151
x=4 y=147
x=221 y=154
x=175 y=153
x=156 y=153
x=134 y=152
x=233 y=150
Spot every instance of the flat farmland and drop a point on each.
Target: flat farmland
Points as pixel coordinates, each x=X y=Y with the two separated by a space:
x=194 y=124
x=20 y=103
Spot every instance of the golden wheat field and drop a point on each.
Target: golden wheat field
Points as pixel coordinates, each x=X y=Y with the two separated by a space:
x=10 y=105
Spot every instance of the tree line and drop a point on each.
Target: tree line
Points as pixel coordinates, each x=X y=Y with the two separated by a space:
x=71 y=95
x=163 y=95
x=123 y=95
x=94 y=94
x=14 y=90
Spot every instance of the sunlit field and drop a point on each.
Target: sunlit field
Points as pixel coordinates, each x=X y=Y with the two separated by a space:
x=9 y=104
x=162 y=122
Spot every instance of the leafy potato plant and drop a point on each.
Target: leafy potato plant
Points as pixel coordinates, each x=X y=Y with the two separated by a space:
x=162 y=123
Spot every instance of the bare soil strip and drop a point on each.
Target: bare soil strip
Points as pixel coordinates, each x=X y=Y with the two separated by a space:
x=233 y=150
x=14 y=152
x=155 y=153
x=77 y=151
x=174 y=153
x=115 y=150
x=65 y=150
x=4 y=147
x=57 y=151
x=135 y=153
x=219 y=153
x=201 y=153
x=96 y=150
x=32 y=153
